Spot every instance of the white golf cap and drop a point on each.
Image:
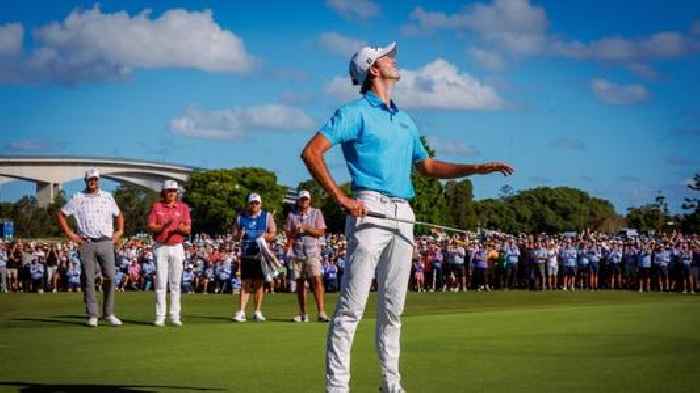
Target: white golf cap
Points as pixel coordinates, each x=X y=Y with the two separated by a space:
x=364 y=58
x=304 y=194
x=92 y=172
x=254 y=197
x=170 y=185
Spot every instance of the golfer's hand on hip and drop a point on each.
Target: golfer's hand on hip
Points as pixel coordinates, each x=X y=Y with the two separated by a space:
x=353 y=207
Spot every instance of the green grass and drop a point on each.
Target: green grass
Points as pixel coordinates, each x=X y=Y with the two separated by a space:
x=514 y=341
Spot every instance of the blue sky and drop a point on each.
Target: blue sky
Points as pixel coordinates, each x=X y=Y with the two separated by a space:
x=601 y=96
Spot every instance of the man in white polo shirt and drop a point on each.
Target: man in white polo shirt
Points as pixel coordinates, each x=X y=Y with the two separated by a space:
x=305 y=225
x=94 y=211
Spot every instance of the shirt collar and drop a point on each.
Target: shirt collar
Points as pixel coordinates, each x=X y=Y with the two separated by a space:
x=375 y=101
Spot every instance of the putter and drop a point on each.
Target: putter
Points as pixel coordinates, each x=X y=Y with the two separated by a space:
x=426 y=224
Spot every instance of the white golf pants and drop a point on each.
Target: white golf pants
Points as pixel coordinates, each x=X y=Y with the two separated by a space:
x=373 y=245
x=168 y=275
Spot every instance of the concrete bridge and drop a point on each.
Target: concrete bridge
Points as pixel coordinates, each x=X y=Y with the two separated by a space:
x=49 y=173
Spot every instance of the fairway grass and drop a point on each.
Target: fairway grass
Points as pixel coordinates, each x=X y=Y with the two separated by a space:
x=517 y=341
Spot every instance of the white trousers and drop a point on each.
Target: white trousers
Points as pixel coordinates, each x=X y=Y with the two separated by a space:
x=384 y=247
x=168 y=275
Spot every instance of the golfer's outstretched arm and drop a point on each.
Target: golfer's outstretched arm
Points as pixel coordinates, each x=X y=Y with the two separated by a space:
x=448 y=170
x=313 y=158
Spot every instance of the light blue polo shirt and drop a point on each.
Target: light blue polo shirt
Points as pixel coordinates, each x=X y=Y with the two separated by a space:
x=380 y=144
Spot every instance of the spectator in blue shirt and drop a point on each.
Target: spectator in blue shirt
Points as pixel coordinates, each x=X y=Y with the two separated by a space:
x=645 y=257
x=615 y=260
x=36 y=270
x=188 y=280
x=569 y=255
x=594 y=255
x=583 y=262
x=662 y=258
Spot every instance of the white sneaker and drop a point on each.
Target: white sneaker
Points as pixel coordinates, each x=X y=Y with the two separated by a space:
x=159 y=322
x=239 y=316
x=176 y=322
x=114 y=321
x=301 y=318
x=323 y=317
x=641 y=290
x=92 y=322
x=54 y=290
x=258 y=316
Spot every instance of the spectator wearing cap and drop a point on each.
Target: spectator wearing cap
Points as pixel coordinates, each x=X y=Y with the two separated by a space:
x=94 y=211
x=305 y=226
x=169 y=221
x=188 y=279
x=252 y=226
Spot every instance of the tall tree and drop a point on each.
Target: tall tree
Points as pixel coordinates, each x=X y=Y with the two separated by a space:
x=216 y=196
x=690 y=221
x=135 y=202
x=458 y=199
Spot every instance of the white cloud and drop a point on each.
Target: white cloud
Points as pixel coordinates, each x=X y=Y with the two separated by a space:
x=519 y=28
x=341 y=88
x=667 y=44
x=11 y=35
x=488 y=59
x=437 y=85
x=238 y=122
x=515 y=25
x=361 y=9
x=339 y=44
x=613 y=93
x=92 y=45
x=453 y=147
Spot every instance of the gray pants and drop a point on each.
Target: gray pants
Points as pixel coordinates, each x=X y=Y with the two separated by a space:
x=90 y=255
x=3 y=279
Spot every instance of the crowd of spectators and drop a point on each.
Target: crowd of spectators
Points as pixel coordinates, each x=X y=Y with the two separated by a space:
x=667 y=263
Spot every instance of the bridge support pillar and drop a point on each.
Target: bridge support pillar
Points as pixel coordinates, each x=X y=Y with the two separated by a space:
x=46 y=192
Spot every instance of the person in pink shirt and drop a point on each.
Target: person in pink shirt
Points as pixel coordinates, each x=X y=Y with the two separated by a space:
x=169 y=221
x=134 y=274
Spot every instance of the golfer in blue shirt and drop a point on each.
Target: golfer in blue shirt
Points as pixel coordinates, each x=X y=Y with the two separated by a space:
x=382 y=146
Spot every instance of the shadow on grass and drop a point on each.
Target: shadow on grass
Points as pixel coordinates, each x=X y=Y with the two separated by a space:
x=249 y=320
x=32 y=387
x=51 y=321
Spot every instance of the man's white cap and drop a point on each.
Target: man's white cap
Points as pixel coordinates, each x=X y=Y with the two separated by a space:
x=364 y=58
x=170 y=185
x=92 y=172
x=304 y=194
x=254 y=197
